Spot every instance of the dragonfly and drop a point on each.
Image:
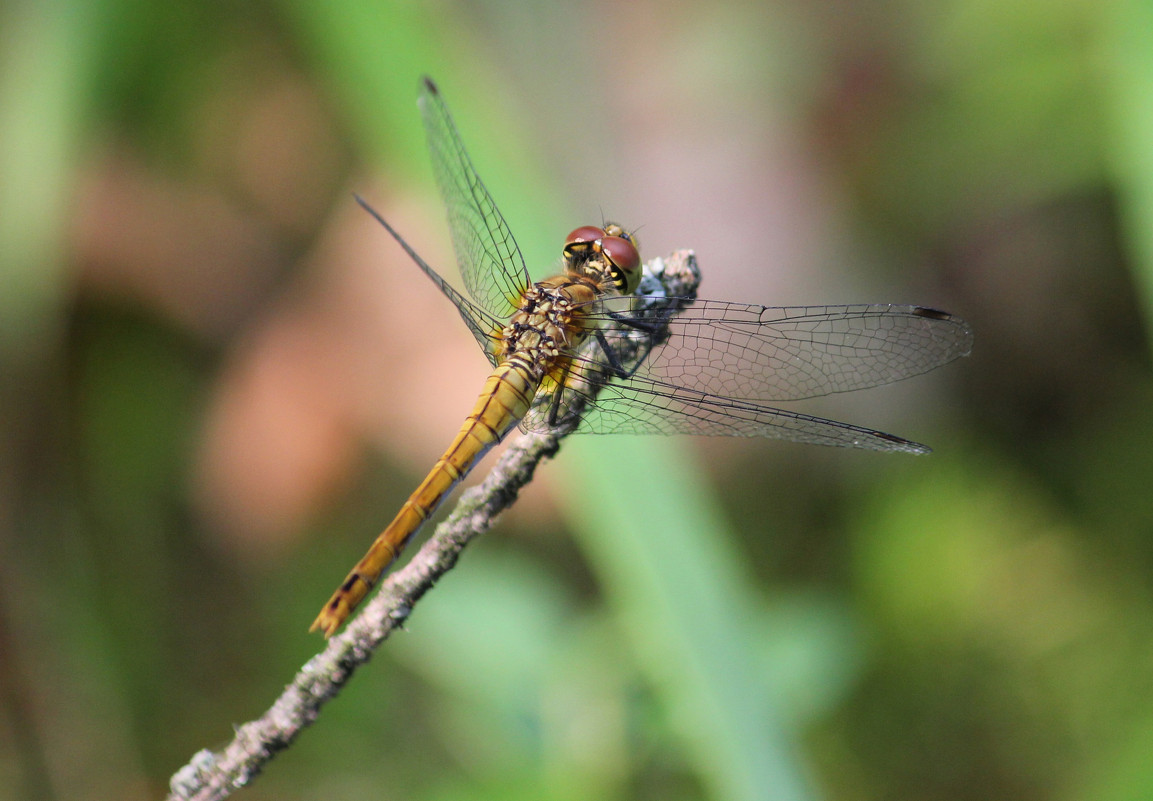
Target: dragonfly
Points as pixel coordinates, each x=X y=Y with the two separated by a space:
x=582 y=343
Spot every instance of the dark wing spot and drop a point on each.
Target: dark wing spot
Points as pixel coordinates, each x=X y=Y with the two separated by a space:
x=932 y=314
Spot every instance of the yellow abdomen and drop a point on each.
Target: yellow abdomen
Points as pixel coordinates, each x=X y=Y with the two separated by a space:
x=505 y=399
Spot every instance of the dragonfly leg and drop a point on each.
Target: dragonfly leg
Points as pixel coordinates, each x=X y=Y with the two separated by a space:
x=614 y=362
x=554 y=404
x=653 y=327
x=612 y=367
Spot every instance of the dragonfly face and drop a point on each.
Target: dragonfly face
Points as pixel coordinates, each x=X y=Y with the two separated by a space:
x=582 y=344
x=599 y=253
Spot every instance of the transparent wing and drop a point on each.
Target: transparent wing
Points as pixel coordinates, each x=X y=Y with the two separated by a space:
x=641 y=406
x=764 y=353
x=491 y=265
x=484 y=327
x=722 y=362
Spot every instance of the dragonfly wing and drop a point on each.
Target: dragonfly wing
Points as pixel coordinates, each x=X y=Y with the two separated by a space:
x=761 y=353
x=721 y=363
x=483 y=325
x=491 y=265
x=638 y=405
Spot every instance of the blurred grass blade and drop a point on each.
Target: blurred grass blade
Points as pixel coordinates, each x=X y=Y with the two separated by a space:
x=44 y=60
x=660 y=550
x=1128 y=41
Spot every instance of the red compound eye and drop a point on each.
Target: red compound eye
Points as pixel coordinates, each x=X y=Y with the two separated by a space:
x=626 y=263
x=586 y=233
x=621 y=252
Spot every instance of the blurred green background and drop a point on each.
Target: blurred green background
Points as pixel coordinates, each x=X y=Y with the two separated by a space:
x=219 y=379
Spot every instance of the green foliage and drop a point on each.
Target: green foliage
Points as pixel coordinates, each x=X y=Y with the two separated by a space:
x=195 y=442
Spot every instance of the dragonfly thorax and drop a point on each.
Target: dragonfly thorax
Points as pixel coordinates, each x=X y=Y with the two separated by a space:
x=549 y=323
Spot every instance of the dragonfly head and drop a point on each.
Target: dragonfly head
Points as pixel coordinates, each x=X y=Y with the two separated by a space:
x=610 y=253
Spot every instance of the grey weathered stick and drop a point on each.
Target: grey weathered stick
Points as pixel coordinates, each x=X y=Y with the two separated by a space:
x=215 y=775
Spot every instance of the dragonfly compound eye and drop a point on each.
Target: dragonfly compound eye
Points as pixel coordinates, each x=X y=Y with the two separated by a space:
x=583 y=244
x=625 y=261
x=583 y=235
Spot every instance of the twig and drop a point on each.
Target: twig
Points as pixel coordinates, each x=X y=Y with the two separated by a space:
x=215 y=775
